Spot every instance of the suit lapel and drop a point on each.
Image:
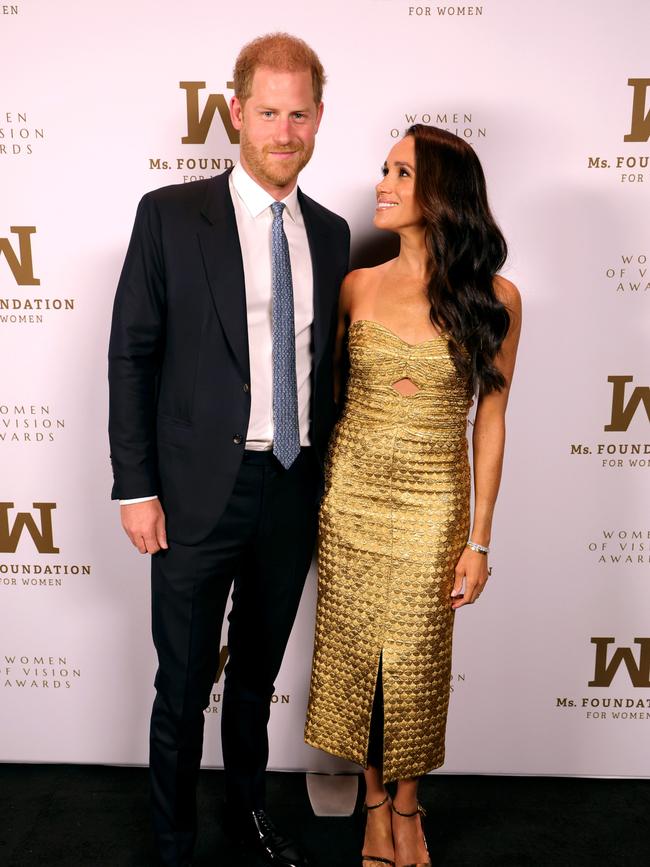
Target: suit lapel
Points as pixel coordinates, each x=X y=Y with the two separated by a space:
x=221 y=251
x=325 y=288
x=222 y=258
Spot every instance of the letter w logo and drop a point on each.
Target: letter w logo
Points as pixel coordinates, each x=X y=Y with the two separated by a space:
x=43 y=538
x=640 y=126
x=622 y=413
x=604 y=671
x=198 y=123
x=22 y=268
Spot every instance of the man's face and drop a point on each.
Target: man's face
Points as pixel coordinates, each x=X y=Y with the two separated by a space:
x=278 y=125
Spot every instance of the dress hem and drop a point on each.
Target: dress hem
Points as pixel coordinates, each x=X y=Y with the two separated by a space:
x=397 y=774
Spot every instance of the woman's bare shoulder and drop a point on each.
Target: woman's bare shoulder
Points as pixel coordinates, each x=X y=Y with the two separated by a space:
x=358 y=282
x=507 y=293
x=362 y=276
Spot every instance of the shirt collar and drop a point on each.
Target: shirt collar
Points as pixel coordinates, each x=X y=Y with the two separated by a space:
x=256 y=199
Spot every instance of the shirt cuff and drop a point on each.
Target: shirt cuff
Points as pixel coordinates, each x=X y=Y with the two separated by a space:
x=137 y=500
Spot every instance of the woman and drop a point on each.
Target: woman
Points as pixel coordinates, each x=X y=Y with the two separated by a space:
x=424 y=332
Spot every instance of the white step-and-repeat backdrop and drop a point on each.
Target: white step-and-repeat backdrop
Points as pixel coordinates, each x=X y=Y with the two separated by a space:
x=102 y=102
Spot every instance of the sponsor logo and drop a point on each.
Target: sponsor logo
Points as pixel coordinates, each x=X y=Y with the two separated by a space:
x=629 y=275
x=443 y=10
x=21 y=264
x=630 y=169
x=201 y=113
x=621 y=547
x=32 y=531
x=38 y=672
x=39 y=529
x=629 y=405
x=19 y=137
x=438 y=11
x=461 y=123
x=604 y=670
x=629 y=666
x=640 y=121
x=623 y=409
x=199 y=120
x=17 y=261
x=29 y=423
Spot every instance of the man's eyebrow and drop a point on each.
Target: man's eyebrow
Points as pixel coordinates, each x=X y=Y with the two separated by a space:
x=273 y=108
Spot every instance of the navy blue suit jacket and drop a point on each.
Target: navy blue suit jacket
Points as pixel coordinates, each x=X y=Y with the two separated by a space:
x=178 y=358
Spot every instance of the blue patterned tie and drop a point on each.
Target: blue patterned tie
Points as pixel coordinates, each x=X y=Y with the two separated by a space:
x=286 y=431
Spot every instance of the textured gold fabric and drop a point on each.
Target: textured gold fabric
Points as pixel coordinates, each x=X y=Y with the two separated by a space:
x=393 y=523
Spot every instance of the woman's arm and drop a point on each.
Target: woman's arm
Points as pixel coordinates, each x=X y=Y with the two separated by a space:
x=488 y=444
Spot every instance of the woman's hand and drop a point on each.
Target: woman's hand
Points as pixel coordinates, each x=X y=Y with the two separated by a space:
x=472 y=567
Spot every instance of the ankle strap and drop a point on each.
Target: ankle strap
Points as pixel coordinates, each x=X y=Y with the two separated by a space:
x=375 y=806
x=419 y=811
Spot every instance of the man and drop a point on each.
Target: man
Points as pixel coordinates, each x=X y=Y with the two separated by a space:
x=220 y=370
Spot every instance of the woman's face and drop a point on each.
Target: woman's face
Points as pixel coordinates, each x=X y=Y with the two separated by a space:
x=397 y=207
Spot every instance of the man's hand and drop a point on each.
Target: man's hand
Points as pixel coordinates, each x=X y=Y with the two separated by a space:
x=144 y=524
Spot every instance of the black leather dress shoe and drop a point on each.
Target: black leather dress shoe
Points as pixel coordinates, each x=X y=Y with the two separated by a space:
x=255 y=829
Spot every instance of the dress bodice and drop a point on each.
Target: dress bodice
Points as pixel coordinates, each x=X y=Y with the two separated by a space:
x=379 y=358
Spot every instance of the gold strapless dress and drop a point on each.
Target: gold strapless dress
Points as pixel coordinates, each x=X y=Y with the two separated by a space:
x=394 y=521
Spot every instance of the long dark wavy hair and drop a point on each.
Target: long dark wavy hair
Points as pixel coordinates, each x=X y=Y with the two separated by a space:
x=466 y=250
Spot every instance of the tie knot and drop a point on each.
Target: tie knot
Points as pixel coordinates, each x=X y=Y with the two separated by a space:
x=277 y=208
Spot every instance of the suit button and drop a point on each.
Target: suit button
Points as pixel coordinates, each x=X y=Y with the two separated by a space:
x=246 y=387
x=238 y=439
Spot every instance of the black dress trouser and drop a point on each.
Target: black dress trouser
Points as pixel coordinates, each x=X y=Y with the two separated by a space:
x=264 y=543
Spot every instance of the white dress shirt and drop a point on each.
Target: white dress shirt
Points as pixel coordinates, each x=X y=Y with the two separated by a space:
x=253 y=214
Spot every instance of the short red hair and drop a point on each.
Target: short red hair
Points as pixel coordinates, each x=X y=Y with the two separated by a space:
x=281 y=52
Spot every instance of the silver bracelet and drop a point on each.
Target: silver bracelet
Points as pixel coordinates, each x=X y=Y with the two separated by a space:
x=480 y=549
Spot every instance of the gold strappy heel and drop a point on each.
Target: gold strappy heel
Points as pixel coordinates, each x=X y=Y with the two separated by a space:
x=419 y=812
x=374 y=859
